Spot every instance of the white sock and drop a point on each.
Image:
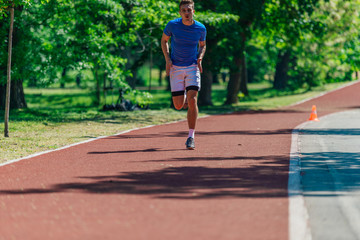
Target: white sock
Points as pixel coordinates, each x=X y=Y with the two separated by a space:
x=192 y=133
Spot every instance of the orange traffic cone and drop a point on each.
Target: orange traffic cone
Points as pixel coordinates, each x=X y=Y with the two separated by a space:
x=313 y=116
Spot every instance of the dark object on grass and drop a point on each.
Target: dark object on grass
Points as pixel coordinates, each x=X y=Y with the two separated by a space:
x=123 y=104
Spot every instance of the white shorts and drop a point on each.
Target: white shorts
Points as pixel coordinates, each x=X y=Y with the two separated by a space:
x=184 y=78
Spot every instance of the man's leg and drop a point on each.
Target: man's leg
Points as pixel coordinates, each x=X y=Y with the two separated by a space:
x=192 y=85
x=192 y=115
x=185 y=103
x=178 y=101
x=193 y=110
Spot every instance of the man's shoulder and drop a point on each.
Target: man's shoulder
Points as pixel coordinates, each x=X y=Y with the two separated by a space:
x=175 y=21
x=200 y=25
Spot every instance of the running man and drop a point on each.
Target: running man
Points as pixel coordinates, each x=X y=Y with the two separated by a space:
x=184 y=63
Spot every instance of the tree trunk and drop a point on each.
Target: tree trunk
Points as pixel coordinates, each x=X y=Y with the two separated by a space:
x=223 y=77
x=206 y=83
x=78 y=80
x=62 y=80
x=282 y=68
x=244 y=76
x=234 y=81
x=105 y=88
x=237 y=71
x=160 y=77
x=134 y=68
x=132 y=80
x=17 y=96
x=150 y=68
x=161 y=71
x=8 y=86
x=216 y=77
x=98 y=87
x=207 y=77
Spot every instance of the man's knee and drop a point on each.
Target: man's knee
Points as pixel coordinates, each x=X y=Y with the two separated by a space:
x=178 y=106
x=192 y=101
x=178 y=102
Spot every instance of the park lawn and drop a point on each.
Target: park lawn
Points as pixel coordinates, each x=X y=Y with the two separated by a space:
x=60 y=117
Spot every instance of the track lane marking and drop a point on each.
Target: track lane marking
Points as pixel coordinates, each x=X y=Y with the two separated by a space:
x=299 y=227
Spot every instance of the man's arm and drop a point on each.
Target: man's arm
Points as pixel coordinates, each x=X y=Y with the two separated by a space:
x=165 y=49
x=202 y=49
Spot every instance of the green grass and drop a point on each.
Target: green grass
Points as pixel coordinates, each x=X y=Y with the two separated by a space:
x=59 y=117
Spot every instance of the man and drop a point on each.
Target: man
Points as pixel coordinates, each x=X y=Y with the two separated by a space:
x=184 y=63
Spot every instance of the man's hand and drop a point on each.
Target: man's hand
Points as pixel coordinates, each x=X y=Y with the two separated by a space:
x=165 y=49
x=202 y=49
x=199 y=63
x=168 y=66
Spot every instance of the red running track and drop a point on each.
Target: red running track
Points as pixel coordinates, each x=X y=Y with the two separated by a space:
x=145 y=185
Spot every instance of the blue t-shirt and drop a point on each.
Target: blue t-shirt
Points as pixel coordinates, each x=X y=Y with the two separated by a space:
x=184 y=41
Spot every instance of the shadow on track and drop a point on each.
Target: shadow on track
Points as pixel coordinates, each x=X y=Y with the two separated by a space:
x=182 y=183
x=332 y=131
x=321 y=183
x=138 y=151
x=354 y=131
x=266 y=177
x=206 y=133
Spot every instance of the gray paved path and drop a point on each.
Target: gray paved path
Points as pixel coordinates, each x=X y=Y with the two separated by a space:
x=330 y=169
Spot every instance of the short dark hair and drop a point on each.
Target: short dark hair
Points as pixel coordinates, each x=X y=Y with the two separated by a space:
x=184 y=2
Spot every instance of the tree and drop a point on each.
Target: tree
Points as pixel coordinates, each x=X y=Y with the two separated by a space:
x=285 y=22
x=145 y=22
x=56 y=36
x=7 y=104
x=248 y=12
x=326 y=54
x=307 y=37
x=87 y=41
x=25 y=54
x=22 y=62
x=218 y=22
x=9 y=5
x=147 y=26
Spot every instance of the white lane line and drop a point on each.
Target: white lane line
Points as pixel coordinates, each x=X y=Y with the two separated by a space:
x=299 y=227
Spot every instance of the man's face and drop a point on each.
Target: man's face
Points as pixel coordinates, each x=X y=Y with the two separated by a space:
x=187 y=12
